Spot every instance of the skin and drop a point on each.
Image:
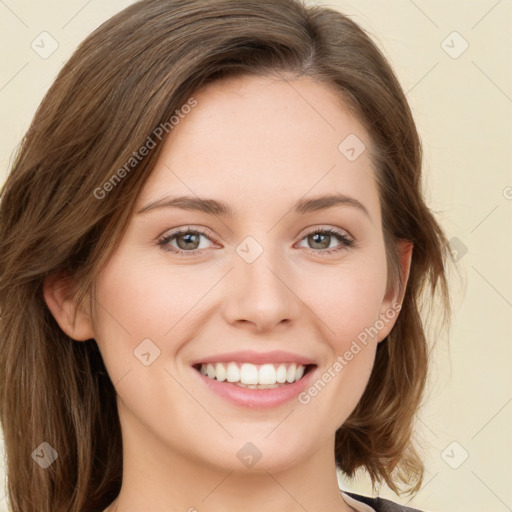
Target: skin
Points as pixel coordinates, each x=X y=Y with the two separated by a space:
x=259 y=144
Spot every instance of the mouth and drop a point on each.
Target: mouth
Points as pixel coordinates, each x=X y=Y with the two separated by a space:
x=255 y=380
x=255 y=376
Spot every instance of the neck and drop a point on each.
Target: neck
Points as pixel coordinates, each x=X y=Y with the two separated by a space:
x=159 y=479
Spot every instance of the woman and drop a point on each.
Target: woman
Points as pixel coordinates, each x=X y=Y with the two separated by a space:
x=214 y=247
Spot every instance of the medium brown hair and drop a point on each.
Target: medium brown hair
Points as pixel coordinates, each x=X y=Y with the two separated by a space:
x=127 y=78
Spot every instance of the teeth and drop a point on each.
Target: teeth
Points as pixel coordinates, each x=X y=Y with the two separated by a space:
x=258 y=386
x=232 y=373
x=249 y=374
x=220 y=373
x=267 y=374
x=281 y=374
x=290 y=374
x=252 y=376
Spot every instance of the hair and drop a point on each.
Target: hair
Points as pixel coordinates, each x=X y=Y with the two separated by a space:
x=127 y=78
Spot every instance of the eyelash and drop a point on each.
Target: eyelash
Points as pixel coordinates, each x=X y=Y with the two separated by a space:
x=164 y=241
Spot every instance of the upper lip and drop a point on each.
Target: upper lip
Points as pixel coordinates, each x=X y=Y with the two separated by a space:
x=249 y=356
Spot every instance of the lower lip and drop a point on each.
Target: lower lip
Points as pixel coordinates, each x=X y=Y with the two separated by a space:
x=257 y=398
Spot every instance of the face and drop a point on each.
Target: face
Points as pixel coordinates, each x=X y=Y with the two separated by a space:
x=198 y=301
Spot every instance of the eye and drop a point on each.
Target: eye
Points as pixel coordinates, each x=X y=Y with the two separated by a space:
x=321 y=240
x=188 y=241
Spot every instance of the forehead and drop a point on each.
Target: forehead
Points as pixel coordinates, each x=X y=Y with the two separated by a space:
x=255 y=141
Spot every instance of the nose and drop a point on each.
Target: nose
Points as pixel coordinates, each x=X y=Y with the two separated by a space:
x=258 y=294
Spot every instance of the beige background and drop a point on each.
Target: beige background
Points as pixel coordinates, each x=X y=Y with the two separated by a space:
x=463 y=107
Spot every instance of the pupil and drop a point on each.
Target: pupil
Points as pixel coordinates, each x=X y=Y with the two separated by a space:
x=187 y=241
x=325 y=237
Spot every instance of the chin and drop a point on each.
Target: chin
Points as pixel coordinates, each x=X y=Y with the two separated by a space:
x=253 y=454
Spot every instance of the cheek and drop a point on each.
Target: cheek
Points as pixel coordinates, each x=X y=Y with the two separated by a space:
x=129 y=307
x=347 y=299
x=348 y=321
x=137 y=301
x=146 y=300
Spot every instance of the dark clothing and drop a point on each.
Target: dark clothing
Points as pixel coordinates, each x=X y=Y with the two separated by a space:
x=380 y=504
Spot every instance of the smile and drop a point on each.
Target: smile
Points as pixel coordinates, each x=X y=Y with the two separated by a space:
x=252 y=376
x=269 y=380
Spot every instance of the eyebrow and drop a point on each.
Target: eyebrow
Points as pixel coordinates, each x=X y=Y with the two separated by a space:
x=222 y=209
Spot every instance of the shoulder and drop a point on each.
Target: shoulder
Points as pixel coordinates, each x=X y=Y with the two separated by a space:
x=381 y=504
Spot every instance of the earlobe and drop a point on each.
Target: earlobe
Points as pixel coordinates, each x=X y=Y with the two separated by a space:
x=392 y=303
x=60 y=299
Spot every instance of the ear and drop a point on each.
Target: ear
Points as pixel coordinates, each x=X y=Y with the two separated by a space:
x=393 y=299
x=60 y=297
